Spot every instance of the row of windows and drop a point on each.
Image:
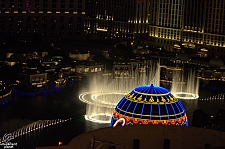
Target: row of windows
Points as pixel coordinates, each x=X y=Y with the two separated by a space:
x=174 y=24
x=214 y=40
x=171 y=1
x=43 y=26
x=187 y=39
x=20 y=7
x=172 y=12
x=53 y=33
x=217 y=3
x=193 y=28
x=12 y=19
x=211 y=28
x=79 y=11
x=215 y=10
x=44 y=29
x=117 y=26
x=45 y=1
x=170 y=6
x=113 y=36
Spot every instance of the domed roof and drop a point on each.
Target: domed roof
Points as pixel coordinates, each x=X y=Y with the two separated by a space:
x=216 y=63
x=149 y=105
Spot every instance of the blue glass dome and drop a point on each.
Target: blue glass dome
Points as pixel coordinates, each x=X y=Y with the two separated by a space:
x=149 y=105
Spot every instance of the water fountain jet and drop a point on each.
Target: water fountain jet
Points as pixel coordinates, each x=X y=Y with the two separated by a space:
x=182 y=89
x=105 y=93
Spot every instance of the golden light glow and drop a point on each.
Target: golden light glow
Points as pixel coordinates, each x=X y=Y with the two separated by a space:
x=101 y=29
x=204 y=49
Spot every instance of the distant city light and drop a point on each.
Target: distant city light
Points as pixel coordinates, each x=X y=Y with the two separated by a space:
x=60 y=143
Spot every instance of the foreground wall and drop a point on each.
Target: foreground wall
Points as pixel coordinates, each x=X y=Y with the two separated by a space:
x=150 y=137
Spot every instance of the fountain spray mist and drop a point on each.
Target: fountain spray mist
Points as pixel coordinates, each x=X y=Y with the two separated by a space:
x=185 y=89
x=100 y=95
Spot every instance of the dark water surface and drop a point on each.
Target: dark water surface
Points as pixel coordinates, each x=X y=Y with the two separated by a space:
x=66 y=104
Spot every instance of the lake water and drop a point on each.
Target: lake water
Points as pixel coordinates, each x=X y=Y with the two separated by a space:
x=65 y=104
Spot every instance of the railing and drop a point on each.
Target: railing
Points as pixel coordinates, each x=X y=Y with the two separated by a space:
x=93 y=141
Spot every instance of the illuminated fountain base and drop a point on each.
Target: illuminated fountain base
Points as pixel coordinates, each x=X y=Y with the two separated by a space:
x=98 y=101
x=188 y=89
x=185 y=95
x=102 y=98
x=99 y=118
x=106 y=92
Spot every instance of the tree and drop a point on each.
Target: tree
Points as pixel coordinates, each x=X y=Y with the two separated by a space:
x=198 y=118
x=220 y=119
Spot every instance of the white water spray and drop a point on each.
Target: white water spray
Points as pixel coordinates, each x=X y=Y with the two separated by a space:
x=105 y=92
x=188 y=89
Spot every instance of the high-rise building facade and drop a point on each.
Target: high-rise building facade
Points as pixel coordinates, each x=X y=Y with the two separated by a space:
x=116 y=18
x=194 y=21
x=49 y=18
x=205 y=25
x=197 y=24
x=166 y=21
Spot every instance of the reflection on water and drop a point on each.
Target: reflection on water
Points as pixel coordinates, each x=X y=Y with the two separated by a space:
x=65 y=104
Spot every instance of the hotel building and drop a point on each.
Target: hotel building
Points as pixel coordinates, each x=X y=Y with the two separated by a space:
x=205 y=25
x=194 y=24
x=166 y=21
x=116 y=18
x=49 y=18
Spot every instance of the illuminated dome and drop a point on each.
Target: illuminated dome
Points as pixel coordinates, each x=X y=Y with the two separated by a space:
x=149 y=105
